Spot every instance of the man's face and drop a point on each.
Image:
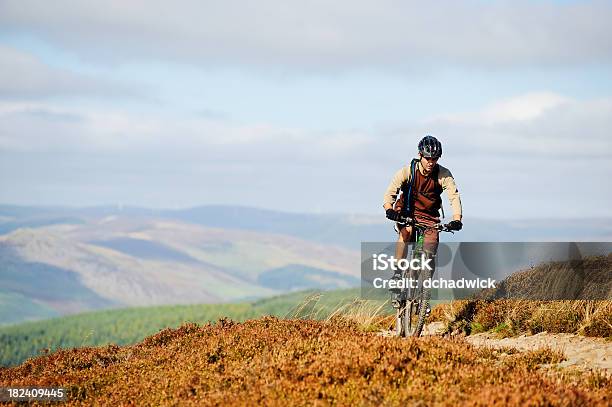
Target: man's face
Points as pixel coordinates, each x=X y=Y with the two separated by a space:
x=428 y=163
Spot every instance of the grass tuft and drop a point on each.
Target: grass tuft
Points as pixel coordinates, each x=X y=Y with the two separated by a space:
x=514 y=317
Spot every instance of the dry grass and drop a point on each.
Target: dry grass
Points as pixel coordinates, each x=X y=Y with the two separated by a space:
x=513 y=317
x=525 y=301
x=303 y=362
x=589 y=278
x=369 y=315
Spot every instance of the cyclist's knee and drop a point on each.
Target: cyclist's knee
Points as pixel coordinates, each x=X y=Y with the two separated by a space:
x=404 y=234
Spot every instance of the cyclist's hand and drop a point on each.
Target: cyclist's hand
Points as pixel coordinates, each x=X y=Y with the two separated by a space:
x=455 y=225
x=392 y=215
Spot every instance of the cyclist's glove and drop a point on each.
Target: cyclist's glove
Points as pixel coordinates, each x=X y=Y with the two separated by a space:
x=392 y=215
x=455 y=225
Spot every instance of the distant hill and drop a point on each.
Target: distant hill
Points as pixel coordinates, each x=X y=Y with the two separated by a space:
x=60 y=260
x=343 y=229
x=120 y=260
x=296 y=277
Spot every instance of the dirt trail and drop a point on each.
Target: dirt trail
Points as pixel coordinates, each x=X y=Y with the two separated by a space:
x=582 y=352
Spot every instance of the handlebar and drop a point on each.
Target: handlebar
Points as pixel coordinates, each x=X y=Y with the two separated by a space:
x=439 y=227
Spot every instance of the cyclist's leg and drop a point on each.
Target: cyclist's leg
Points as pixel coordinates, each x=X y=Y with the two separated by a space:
x=401 y=247
x=431 y=239
x=403 y=240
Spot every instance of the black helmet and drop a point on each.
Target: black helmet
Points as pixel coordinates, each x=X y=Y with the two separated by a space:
x=429 y=146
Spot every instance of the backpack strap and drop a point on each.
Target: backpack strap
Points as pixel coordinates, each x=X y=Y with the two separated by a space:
x=436 y=177
x=407 y=188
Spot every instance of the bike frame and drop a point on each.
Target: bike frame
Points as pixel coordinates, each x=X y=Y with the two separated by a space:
x=413 y=307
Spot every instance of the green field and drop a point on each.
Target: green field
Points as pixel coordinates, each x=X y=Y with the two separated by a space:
x=131 y=325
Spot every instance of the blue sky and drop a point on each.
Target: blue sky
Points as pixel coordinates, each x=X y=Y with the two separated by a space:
x=307 y=107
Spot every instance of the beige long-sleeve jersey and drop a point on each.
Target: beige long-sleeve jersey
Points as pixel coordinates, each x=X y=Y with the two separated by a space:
x=445 y=178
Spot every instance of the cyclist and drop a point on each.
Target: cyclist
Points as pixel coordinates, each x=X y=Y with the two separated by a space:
x=420 y=197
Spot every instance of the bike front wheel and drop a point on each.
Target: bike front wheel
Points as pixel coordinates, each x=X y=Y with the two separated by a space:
x=400 y=313
x=416 y=309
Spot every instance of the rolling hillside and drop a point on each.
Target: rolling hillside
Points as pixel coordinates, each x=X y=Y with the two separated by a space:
x=118 y=261
x=342 y=229
x=57 y=260
x=130 y=325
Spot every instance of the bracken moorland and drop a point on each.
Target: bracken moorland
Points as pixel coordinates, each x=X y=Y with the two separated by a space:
x=275 y=361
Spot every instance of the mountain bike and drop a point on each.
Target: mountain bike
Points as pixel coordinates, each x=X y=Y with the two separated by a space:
x=412 y=302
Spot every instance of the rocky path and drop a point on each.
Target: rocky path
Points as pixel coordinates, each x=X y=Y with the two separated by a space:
x=582 y=352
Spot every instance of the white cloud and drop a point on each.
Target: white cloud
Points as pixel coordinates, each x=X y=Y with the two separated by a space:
x=82 y=156
x=41 y=127
x=324 y=35
x=539 y=124
x=24 y=76
x=515 y=109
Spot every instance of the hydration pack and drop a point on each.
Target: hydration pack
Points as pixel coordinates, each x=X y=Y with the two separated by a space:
x=405 y=201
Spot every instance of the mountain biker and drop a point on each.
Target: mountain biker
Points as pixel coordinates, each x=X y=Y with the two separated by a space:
x=424 y=201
